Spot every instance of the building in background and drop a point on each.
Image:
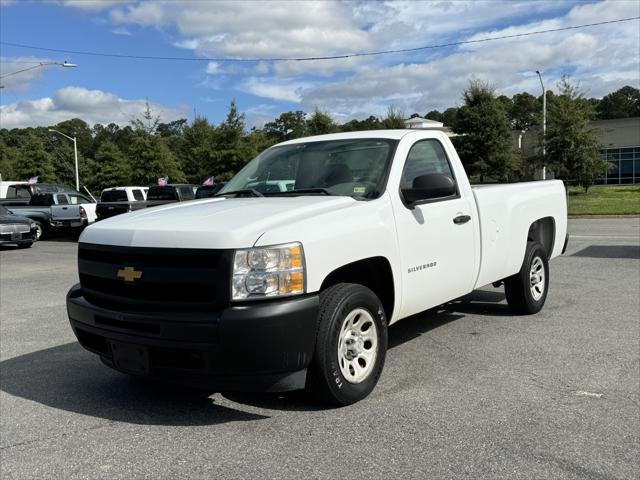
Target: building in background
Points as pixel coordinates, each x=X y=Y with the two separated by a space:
x=620 y=139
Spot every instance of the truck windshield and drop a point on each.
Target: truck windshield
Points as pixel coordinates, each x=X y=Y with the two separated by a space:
x=354 y=167
x=113 y=196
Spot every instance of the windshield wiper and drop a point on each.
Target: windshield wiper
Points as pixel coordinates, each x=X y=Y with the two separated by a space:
x=247 y=191
x=323 y=191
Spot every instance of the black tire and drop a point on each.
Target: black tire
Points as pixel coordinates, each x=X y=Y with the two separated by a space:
x=40 y=230
x=518 y=287
x=325 y=380
x=25 y=245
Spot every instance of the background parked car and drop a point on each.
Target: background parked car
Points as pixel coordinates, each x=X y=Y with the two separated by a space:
x=117 y=200
x=16 y=229
x=20 y=193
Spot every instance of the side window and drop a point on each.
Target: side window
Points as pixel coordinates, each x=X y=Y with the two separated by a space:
x=425 y=157
x=137 y=194
x=62 y=200
x=187 y=193
x=73 y=199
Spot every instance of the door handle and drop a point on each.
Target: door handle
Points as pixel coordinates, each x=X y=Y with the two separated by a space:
x=64 y=208
x=460 y=219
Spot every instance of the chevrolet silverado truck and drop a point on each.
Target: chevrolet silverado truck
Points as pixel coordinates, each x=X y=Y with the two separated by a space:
x=285 y=289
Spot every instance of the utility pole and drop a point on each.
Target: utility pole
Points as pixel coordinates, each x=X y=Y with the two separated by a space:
x=75 y=154
x=544 y=127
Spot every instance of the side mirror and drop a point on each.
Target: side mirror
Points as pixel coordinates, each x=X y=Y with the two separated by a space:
x=427 y=187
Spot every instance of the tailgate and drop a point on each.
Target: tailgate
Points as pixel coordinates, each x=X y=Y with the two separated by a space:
x=65 y=212
x=108 y=209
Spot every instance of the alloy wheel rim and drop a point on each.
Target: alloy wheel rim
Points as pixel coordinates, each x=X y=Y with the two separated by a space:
x=537 y=278
x=357 y=346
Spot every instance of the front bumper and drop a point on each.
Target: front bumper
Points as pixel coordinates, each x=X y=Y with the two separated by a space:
x=262 y=346
x=20 y=238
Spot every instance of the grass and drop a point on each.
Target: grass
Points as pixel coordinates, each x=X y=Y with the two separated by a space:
x=605 y=200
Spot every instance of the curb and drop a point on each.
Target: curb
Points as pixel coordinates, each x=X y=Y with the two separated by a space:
x=591 y=216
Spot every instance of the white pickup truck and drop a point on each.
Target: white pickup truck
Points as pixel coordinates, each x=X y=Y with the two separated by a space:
x=264 y=289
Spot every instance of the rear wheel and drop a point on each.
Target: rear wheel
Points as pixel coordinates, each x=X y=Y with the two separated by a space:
x=351 y=344
x=526 y=291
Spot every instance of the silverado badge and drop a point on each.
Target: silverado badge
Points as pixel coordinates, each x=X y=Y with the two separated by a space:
x=129 y=274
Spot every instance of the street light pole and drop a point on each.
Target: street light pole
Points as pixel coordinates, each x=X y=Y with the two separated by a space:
x=544 y=127
x=64 y=64
x=75 y=154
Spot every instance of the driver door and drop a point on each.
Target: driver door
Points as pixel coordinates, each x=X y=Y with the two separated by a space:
x=437 y=255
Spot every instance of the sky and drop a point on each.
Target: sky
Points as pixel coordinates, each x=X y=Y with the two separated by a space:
x=104 y=89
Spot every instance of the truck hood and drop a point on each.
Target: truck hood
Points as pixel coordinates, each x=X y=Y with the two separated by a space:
x=210 y=223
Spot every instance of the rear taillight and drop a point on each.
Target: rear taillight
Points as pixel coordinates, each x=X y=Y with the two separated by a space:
x=83 y=212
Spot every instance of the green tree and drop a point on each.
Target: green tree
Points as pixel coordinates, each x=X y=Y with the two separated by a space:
x=434 y=115
x=526 y=111
x=9 y=158
x=287 y=126
x=233 y=148
x=622 y=103
x=320 y=123
x=150 y=158
x=572 y=147
x=485 y=145
x=111 y=168
x=371 y=123
x=35 y=161
x=394 y=118
x=449 y=117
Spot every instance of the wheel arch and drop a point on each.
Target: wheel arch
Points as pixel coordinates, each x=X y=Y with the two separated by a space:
x=374 y=273
x=543 y=231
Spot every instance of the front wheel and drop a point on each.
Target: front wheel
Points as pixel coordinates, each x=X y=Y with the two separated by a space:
x=351 y=344
x=526 y=291
x=40 y=230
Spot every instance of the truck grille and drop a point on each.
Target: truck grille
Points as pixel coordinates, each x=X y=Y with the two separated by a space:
x=166 y=278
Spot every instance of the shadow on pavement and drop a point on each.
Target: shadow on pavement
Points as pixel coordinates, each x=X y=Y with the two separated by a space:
x=69 y=378
x=610 y=251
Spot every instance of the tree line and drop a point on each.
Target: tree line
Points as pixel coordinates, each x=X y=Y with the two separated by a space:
x=139 y=153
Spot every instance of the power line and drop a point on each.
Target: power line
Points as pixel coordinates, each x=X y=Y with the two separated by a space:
x=306 y=59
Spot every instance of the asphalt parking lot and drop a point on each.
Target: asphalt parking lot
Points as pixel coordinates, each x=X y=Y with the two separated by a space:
x=468 y=391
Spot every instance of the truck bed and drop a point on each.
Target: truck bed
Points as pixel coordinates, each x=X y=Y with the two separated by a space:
x=506 y=212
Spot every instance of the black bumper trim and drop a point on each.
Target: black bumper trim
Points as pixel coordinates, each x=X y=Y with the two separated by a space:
x=266 y=346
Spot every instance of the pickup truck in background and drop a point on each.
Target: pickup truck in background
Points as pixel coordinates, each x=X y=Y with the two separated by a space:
x=53 y=212
x=117 y=200
x=156 y=195
x=19 y=193
x=277 y=289
x=206 y=191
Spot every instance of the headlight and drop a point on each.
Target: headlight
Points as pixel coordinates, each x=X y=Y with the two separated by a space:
x=268 y=272
x=32 y=225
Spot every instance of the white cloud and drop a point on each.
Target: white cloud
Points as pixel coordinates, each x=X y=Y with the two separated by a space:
x=289 y=90
x=93 y=106
x=22 y=80
x=601 y=58
x=93 y=5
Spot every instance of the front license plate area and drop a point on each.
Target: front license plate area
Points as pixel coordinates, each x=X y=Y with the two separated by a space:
x=130 y=357
x=16 y=236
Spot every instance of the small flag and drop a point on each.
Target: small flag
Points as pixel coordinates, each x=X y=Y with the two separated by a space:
x=162 y=181
x=209 y=182
x=33 y=180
